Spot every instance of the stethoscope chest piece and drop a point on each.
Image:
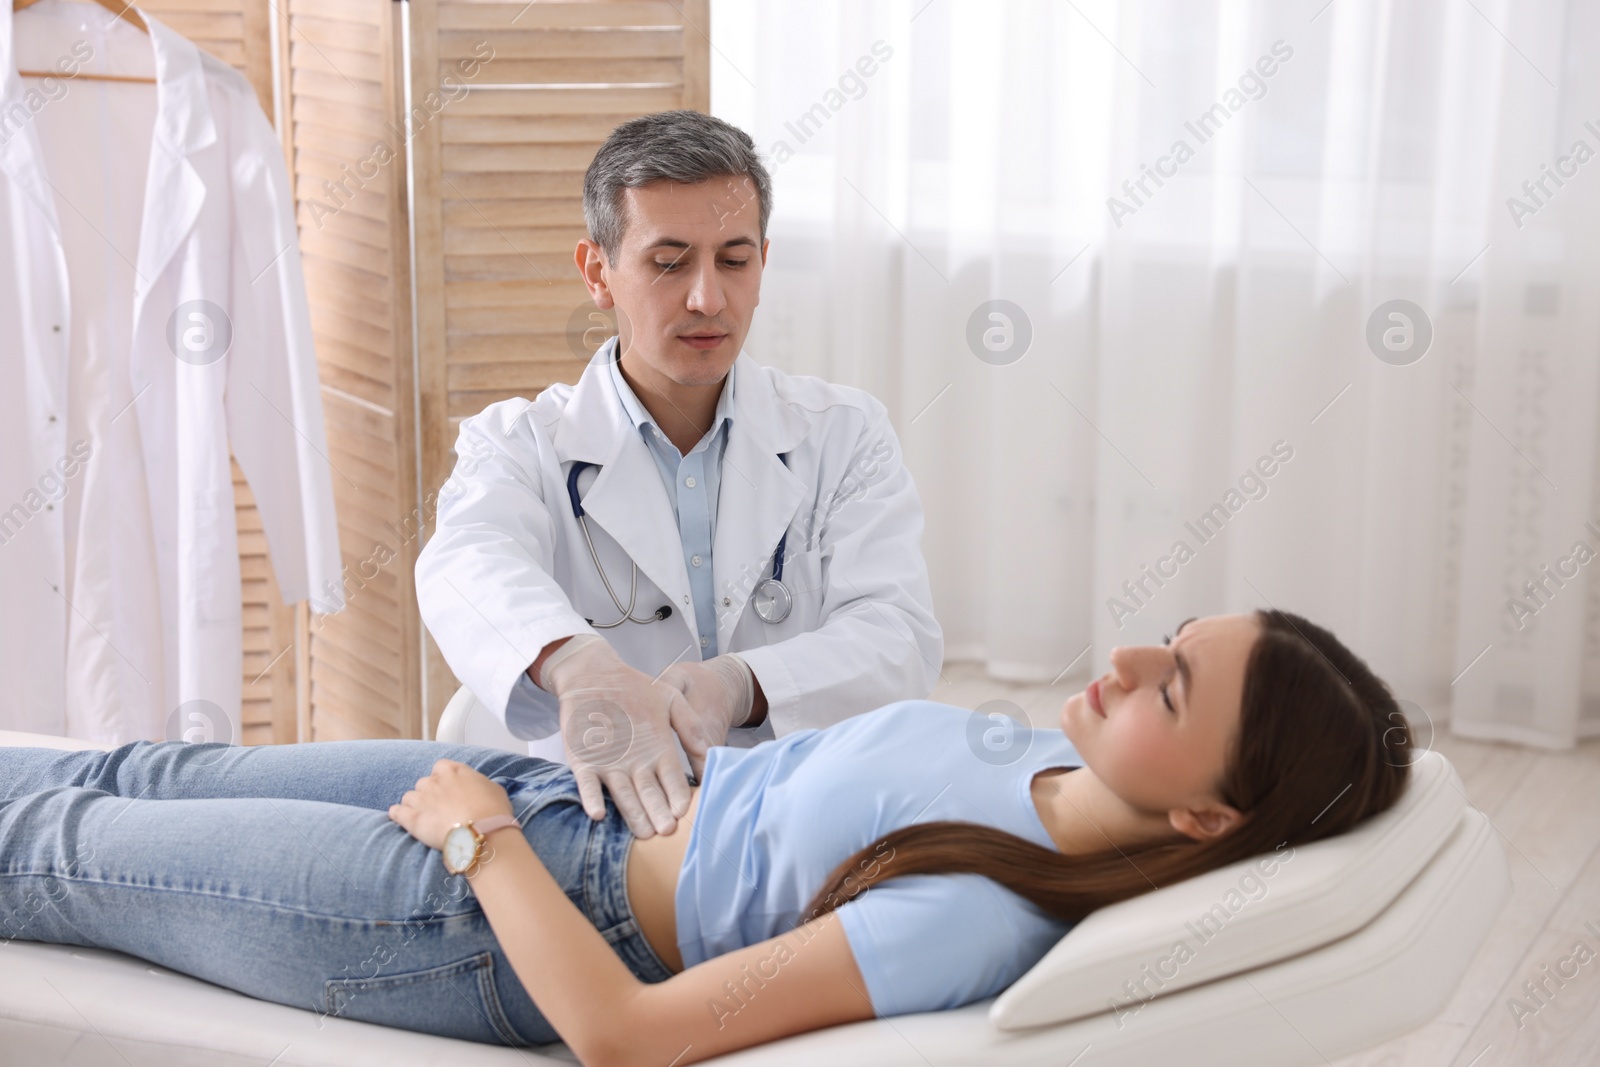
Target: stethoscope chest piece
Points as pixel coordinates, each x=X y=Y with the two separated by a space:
x=772 y=600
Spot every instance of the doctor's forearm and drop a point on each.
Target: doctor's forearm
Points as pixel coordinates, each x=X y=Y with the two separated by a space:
x=544 y=654
x=758 y=705
x=854 y=663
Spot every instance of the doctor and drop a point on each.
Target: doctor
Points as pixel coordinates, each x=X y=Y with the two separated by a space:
x=685 y=548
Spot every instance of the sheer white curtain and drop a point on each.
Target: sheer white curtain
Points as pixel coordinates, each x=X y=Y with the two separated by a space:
x=1216 y=409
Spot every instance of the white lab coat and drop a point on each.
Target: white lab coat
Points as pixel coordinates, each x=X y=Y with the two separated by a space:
x=507 y=570
x=215 y=224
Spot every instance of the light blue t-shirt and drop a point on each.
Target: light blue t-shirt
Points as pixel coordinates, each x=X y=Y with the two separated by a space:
x=776 y=819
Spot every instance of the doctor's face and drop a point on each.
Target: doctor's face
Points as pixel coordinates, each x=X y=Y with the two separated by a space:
x=1158 y=728
x=687 y=276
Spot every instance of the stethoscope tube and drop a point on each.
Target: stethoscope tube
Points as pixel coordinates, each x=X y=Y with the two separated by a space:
x=664 y=611
x=772 y=596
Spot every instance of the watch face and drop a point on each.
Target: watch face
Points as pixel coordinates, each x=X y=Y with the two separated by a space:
x=460 y=848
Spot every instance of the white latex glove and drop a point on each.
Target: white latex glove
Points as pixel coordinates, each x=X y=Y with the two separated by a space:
x=719 y=693
x=616 y=727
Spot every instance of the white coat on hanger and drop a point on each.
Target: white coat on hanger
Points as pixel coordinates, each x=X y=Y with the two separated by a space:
x=216 y=225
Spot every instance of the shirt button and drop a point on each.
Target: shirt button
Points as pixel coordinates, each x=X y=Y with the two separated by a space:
x=695 y=560
x=52 y=418
x=685 y=600
x=727 y=601
x=705 y=641
x=689 y=481
x=55 y=329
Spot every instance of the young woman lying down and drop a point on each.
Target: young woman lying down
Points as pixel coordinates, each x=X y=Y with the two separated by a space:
x=900 y=861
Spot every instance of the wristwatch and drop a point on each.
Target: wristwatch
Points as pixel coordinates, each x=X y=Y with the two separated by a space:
x=463 y=843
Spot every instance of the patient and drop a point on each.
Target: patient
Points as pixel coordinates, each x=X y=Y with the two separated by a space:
x=953 y=851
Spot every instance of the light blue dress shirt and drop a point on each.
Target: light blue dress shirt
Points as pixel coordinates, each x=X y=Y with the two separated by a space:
x=692 y=483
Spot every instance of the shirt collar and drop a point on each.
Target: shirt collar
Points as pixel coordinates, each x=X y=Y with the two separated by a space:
x=642 y=418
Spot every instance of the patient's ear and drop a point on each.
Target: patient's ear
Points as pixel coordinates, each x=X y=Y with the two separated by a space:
x=1206 y=823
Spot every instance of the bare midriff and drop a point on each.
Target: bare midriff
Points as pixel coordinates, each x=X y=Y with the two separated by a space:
x=653 y=866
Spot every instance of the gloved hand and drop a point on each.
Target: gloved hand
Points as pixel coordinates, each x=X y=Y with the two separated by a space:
x=719 y=692
x=616 y=727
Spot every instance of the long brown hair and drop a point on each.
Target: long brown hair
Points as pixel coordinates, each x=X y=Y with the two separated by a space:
x=1322 y=745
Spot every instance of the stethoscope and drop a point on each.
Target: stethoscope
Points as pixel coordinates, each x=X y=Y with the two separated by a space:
x=770 y=597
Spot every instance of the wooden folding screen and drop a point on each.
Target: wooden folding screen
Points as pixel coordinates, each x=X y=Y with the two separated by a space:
x=498 y=189
x=343 y=93
x=509 y=101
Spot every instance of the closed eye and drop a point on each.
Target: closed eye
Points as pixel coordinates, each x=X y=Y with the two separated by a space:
x=668 y=268
x=1165 y=699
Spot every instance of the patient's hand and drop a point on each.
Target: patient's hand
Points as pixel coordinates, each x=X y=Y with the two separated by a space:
x=454 y=793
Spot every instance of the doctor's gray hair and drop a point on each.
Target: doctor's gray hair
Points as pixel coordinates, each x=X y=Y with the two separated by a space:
x=681 y=146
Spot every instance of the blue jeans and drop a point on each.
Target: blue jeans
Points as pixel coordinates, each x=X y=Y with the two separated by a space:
x=276 y=871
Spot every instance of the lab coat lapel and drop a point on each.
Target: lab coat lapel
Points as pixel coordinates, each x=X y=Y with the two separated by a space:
x=174 y=192
x=627 y=499
x=21 y=155
x=759 y=494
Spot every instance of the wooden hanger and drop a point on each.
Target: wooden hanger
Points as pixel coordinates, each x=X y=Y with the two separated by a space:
x=124 y=10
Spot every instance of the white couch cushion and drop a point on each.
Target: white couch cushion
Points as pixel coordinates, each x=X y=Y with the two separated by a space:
x=18 y=739
x=1239 y=917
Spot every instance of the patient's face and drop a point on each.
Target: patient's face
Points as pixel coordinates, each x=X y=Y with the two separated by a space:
x=1157 y=758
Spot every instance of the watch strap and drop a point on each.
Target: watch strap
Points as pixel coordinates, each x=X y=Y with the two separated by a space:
x=493 y=823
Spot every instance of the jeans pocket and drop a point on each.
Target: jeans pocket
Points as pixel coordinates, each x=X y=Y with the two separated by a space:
x=451 y=1000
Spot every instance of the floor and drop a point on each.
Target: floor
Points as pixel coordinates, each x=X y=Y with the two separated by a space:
x=1546 y=807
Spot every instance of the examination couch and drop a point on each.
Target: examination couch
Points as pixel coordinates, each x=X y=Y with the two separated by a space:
x=1350 y=943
